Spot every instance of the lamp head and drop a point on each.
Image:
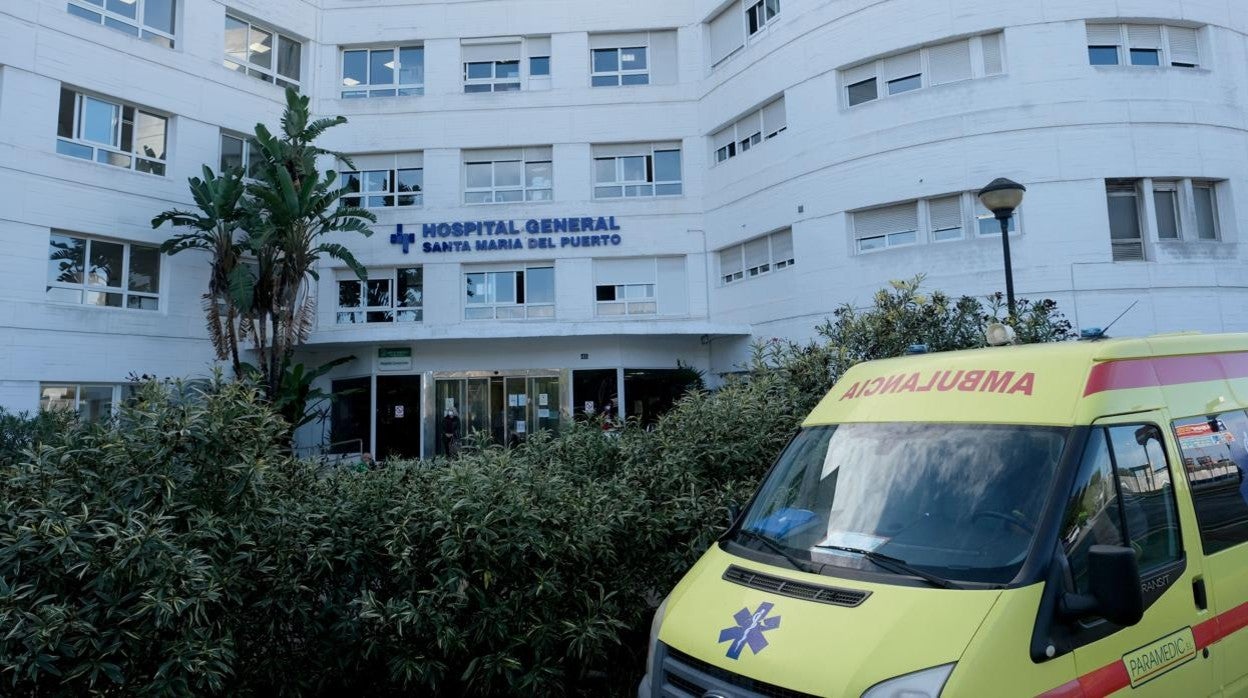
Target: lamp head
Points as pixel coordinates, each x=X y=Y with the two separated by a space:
x=1002 y=196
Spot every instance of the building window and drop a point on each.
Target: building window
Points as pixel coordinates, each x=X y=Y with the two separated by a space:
x=384 y=181
x=89 y=271
x=643 y=170
x=262 y=53
x=495 y=66
x=92 y=403
x=749 y=131
x=1147 y=45
x=539 y=66
x=614 y=67
x=1125 y=234
x=1166 y=202
x=151 y=20
x=114 y=133
x=626 y=299
x=737 y=24
x=237 y=153
x=383 y=72
x=1206 y=211
x=756 y=257
x=759 y=13
x=519 y=294
x=954 y=61
x=395 y=295
x=937 y=220
x=508 y=176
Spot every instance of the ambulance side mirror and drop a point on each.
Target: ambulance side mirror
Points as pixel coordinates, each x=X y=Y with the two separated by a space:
x=1114 y=583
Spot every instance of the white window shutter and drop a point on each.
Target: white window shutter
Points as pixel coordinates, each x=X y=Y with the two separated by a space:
x=857 y=74
x=1184 y=45
x=994 y=63
x=727 y=33
x=539 y=46
x=480 y=53
x=730 y=260
x=1144 y=36
x=899 y=218
x=950 y=62
x=757 y=253
x=722 y=137
x=945 y=212
x=774 y=117
x=902 y=66
x=782 y=246
x=619 y=272
x=1104 y=35
x=749 y=125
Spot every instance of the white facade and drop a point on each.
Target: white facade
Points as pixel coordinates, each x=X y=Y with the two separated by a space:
x=545 y=106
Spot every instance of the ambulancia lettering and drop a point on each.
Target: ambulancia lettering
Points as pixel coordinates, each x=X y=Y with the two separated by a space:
x=972 y=381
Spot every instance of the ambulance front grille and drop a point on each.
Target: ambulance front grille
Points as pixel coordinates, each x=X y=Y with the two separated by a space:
x=835 y=596
x=685 y=676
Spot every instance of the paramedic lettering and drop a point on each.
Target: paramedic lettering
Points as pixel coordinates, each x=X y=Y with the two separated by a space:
x=974 y=381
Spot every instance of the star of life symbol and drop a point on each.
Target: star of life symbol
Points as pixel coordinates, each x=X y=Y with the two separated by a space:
x=749 y=630
x=399 y=238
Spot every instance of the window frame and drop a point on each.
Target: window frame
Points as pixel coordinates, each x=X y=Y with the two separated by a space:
x=649 y=153
x=364 y=198
x=528 y=194
x=270 y=74
x=367 y=89
x=631 y=306
x=1215 y=219
x=143 y=31
x=77 y=141
x=766 y=16
x=979 y=69
x=84 y=288
x=926 y=231
x=1125 y=49
x=1198 y=490
x=1123 y=189
x=361 y=314
x=114 y=404
x=772 y=266
x=739 y=145
x=247 y=152
x=620 y=73
x=521 y=308
x=494 y=82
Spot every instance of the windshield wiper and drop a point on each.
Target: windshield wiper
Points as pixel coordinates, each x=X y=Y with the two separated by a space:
x=778 y=549
x=894 y=564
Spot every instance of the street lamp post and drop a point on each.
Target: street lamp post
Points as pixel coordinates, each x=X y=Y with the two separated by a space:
x=1002 y=197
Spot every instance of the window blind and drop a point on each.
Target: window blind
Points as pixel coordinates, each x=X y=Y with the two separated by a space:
x=946 y=213
x=774 y=117
x=1184 y=45
x=727 y=33
x=950 y=62
x=993 y=61
x=782 y=246
x=899 y=218
x=1104 y=35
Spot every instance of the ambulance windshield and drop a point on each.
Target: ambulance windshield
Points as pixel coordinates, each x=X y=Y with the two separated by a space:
x=958 y=501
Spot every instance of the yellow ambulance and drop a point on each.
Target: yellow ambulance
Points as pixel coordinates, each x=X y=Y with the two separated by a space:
x=1056 y=520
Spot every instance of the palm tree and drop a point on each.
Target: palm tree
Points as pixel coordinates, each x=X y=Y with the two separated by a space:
x=290 y=209
x=267 y=237
x=214 y=228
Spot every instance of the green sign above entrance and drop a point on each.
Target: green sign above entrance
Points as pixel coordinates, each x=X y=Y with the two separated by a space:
x=394 y=359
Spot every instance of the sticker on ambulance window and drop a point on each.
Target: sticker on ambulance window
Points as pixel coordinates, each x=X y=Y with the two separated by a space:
x=1153 y=660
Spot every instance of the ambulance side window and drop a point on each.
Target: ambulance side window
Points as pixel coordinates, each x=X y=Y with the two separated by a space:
x=1122 y=496
x=1092 y=511
x=1215 y=458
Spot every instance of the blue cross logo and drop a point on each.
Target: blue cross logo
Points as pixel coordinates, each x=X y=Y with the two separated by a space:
x=749 y=630
x=398 y=238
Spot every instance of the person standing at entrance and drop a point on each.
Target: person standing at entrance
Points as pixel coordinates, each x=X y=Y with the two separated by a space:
x=450 y=432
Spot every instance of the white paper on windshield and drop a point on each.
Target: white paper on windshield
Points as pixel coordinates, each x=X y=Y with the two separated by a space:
x=850 y=539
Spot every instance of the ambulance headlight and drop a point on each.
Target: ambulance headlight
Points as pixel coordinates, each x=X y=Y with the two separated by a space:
x=654 y=636
x=921 y=684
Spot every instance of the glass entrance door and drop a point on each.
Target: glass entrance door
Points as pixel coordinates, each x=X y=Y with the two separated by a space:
x=517 y=410
x=449 y=416
x=476 y=414
x=398 y=417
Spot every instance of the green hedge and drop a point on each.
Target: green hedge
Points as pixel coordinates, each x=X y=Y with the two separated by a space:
x=178 y=551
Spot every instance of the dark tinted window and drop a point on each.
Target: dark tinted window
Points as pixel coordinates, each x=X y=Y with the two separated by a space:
x=1215 y=456
x=1103 y=55
x=1122 y=496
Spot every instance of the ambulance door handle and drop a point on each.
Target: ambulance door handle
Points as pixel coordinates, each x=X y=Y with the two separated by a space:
x=1198 y=592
